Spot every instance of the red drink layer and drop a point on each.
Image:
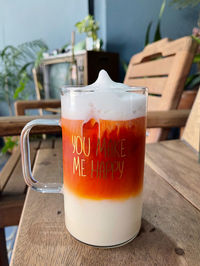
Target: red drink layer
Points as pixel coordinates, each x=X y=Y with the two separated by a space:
x=104 y=159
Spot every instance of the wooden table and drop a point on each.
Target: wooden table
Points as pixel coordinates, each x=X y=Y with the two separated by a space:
x=170 y=232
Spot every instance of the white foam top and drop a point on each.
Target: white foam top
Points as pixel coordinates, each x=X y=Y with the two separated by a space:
x=104 y=99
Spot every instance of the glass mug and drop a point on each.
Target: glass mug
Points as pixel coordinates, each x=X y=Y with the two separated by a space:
x=103 y=135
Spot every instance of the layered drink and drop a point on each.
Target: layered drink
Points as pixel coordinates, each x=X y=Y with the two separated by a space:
x=103 y=131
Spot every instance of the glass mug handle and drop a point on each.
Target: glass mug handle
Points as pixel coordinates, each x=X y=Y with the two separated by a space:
x=25 y=154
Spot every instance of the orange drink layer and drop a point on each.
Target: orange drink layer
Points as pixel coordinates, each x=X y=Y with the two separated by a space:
x=103 y=159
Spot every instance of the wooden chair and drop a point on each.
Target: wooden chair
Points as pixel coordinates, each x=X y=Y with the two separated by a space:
x=48 y=105
x=163 y=67
x=191 y=133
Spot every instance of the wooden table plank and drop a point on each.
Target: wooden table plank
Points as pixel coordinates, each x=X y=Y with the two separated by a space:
x=13 y=125
x=16 y=184
x=47 y=143
x=170 y=227
x=58 y=143
x=10 y=209
x=178 y=164
x=8 y=168
x=13 y=195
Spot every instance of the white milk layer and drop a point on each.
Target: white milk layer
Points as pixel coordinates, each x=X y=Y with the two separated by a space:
x=104 y=99
x=102 y=222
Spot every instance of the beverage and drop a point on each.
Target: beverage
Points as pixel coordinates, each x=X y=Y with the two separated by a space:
x=103 y=134
x=103 y=162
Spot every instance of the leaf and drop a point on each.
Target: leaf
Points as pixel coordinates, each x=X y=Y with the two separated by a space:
x=65 y=46
x=157 y=35
x=124 y=65
x=39 y=57
x=24 y=67
x=18 y=91
x=29 y=50
x=184 y=3
x=162 y=9
x=193 y=81
x=89 y=26
x=22 y=84
x=190 y=78
x=5 y=50
x=196 y=58
x=196 y=39
x=78 y=24
x=79 y=46
x=15 y=73
x=147 y=33
x=10 y=143
x=2 y=96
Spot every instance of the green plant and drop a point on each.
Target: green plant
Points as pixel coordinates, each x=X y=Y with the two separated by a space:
x=10 y=143
x=15 y=70
x=89 y=26
x=184 y=3
x=39 y=56
x=194 y=79
x=15 y=75
x=157 y=34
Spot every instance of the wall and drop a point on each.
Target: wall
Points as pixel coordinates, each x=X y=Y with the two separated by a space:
x=100 y=13
x=127 y=20
x=123 y=22
x=49 y=20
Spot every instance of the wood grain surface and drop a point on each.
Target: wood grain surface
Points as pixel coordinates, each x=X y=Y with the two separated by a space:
x=169 y=234
x=163 y=65
x=22 y=106
x=160 y=67
x=177 y=163
x=155 y=85
x=10 y=126
x=191 y=133
x=12 y=192
x=13 y=187
x=13 y=125
x=166 y=47
x=8 y=168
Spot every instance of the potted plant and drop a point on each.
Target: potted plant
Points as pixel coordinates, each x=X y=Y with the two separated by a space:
x=16 y=64
x=15 y=76
x=89 y=26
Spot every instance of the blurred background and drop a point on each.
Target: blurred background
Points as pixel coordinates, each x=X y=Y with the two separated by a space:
x=123 y=24
x=45 y=28
x=46 y=44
